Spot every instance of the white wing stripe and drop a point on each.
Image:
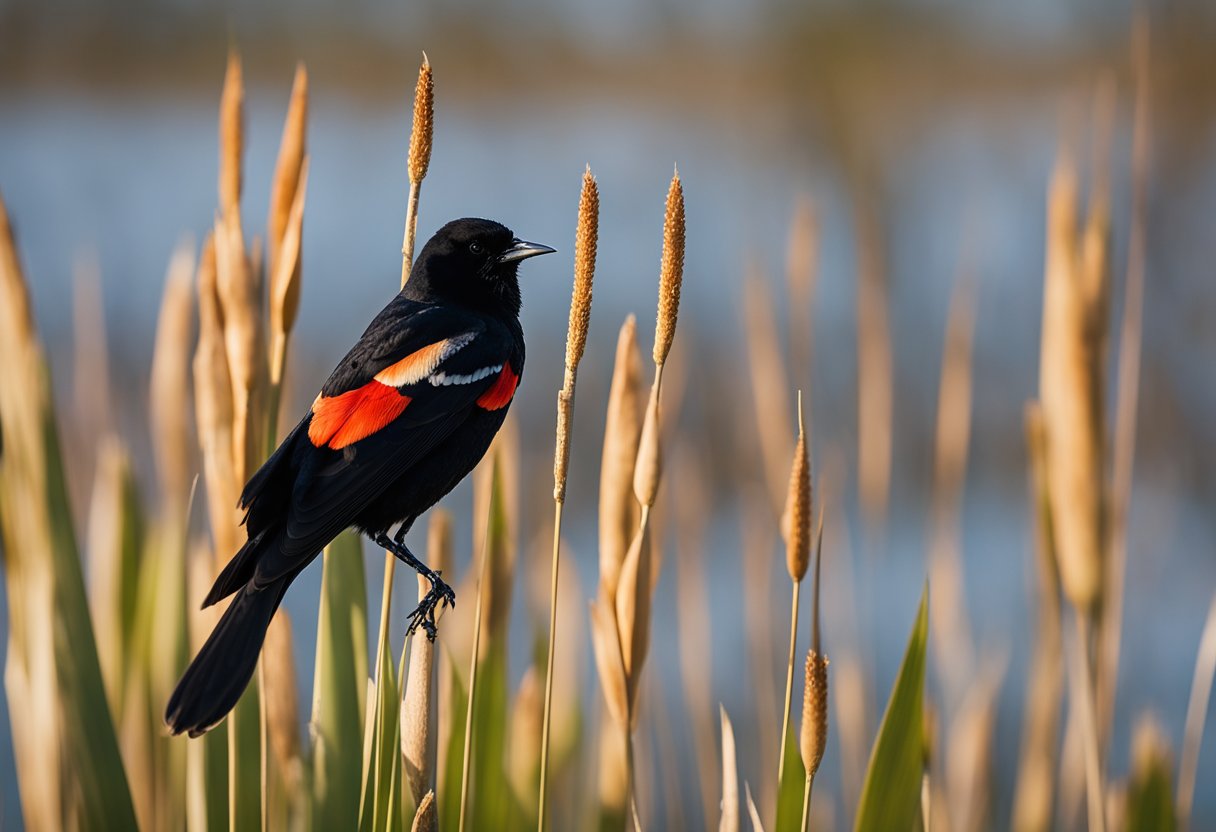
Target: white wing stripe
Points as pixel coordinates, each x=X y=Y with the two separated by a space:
x=442 y=379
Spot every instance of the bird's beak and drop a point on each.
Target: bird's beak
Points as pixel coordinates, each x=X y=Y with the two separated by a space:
x=522 y=250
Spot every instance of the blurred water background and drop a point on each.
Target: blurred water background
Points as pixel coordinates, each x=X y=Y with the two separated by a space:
x=944 y=115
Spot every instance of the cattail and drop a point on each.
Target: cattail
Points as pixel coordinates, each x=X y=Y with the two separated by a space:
x=618 y=510
x=798 y=507
x=240 y=297
x=169 y=385
x=232 y=135
x=418 y=743
x=1070 y=392
x=423 y=135
x=814 y=734
x=671 y=274
x=585 y=241
x=288 y=179
x=213 y=405
x=421 y=141
x=426 y=818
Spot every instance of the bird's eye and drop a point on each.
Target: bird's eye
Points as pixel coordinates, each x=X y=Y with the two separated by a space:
x=475 y=247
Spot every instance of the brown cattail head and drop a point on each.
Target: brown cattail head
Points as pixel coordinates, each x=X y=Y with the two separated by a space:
x=1071 y=394
x=585 y=239
x=423 y=134
x=798 y=507
x=287 y=177
x=232 y=134
x=618 y=510
x=814 y=735
x=671 y=274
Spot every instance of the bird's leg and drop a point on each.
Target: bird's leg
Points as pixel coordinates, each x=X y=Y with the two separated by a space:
x=424 y=614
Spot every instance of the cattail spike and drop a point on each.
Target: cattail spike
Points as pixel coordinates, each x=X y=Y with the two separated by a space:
x=423 y=134
x=814 y=735
x=671 y=274
x=798 y=507
x=585 y=241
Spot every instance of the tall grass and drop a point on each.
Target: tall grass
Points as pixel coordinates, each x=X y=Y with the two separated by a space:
x=431 y=737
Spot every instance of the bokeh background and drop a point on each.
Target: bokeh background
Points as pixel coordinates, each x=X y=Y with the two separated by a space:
x=922 y=133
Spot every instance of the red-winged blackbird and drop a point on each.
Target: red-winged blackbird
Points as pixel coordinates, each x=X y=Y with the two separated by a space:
x=406 y=415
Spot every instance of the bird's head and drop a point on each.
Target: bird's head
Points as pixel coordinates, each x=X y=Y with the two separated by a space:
x=474 y=263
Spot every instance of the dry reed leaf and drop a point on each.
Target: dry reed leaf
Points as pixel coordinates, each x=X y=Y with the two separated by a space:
x=852 y=721
x=633 y=612
x=213 y=408
x=282 y=706
x=692 y=510
x=288 y=176
x=426 y=818
x=585 y=241
x=729 y=822
x=618 y=510
x=753 y=813
x=968 y=762
x=770 y=389
x=609 y=662
x=285 y=279
x=671 y=272
x=169 y=385
x=1070 y=391
x=523 y=744
x=232 y=135
x=92 y=411
x=875 y=372
x=649 y=466
x=798 y=507
x=813 y=737
x=802 y=254
x=1034 y=793
x=949 y=624
x=422 y=135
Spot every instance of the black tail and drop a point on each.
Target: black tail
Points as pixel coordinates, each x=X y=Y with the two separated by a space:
x=217 y=677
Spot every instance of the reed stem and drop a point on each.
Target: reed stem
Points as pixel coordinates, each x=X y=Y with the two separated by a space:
x=1084 y=673
x=411 y=229
x=548 y=712
x=468 y=714
x=789 y=682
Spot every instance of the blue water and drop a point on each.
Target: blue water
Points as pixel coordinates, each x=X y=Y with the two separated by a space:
x=123 y=177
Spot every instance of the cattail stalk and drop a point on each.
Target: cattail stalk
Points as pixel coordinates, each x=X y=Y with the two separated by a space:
x=797 y=548
x=421 y=142
x=474 y=662
x=585 y=241
x=813 y=738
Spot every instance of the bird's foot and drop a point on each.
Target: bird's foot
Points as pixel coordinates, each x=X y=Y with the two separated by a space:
x=424 y=614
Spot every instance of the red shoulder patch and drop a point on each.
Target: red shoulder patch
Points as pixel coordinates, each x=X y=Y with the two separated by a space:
x=338 y=421
x=501 y=392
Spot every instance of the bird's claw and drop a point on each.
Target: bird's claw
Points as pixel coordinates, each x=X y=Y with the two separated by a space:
x=424 y=614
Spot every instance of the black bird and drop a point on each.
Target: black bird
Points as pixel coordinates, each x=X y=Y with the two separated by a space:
x=406 y=416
